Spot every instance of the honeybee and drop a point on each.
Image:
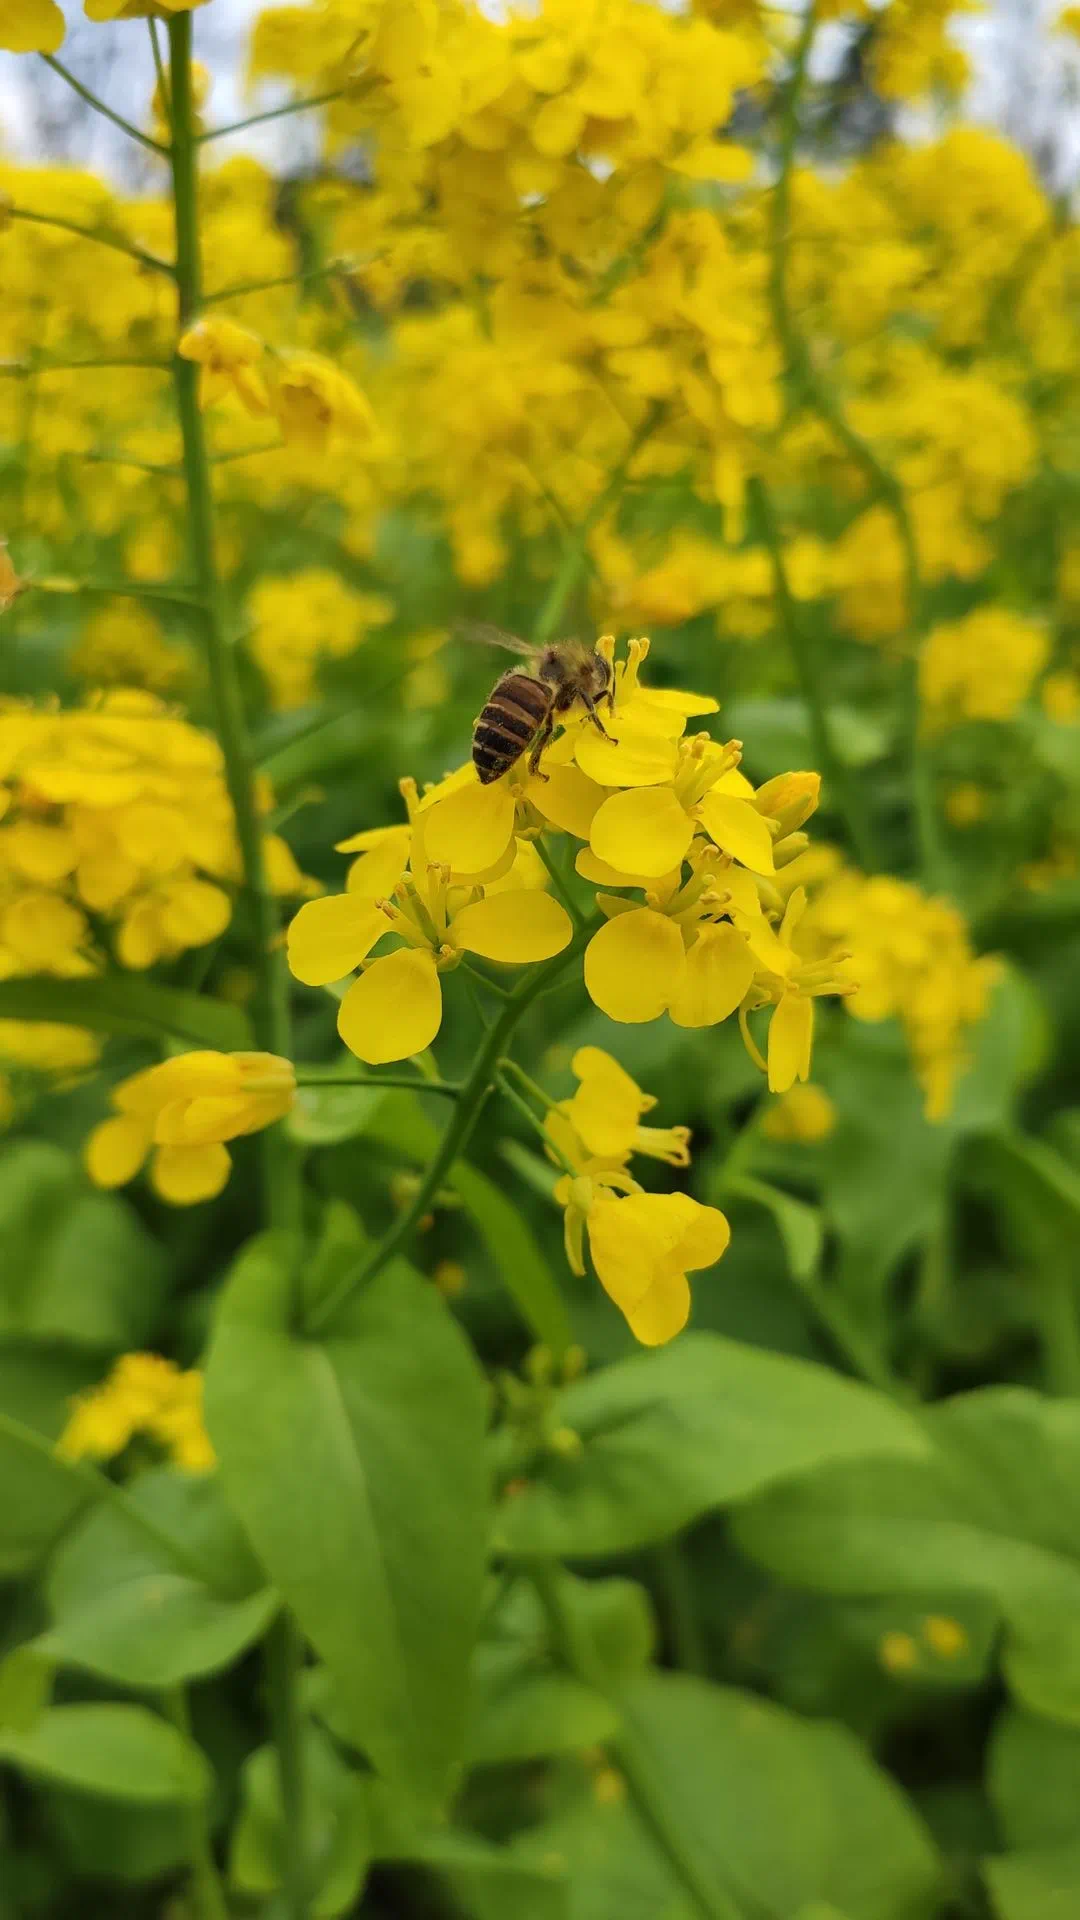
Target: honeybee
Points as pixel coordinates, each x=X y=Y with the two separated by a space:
x=520 y=712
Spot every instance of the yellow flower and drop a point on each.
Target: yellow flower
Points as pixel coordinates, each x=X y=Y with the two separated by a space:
x=316 y=403
x=182 y=1112
x=144 y=1394
x=676 y=954
x=642 y=1246
x=981 y=667
x=31 y=26
x=803 y=1113
x=606 y=1112
x=227 y=356
x=137 y=9
x=394 y=1009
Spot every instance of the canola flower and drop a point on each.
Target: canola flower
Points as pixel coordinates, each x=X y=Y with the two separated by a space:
x=981 y=667
x=144 y=1395
x=674 y=822
x=180 y=1114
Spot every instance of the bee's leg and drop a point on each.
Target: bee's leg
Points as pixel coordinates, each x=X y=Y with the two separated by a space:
x=547 y=728
x=591 y=708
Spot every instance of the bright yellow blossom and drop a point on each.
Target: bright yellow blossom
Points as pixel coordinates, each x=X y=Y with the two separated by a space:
x=144 y=1394
x=317 y=403
x=31 y=26
x=228 y=358
x=642 y=1246
x=981 y=667
x=182 y=1112
x=602 y=1122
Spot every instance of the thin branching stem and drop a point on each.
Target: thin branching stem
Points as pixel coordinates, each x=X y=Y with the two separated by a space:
x=109 y=240
x=576 y=548
x=327 y=271
x=271 y=113
x=206 y=1892
x=107 y=113
x=415 y=1083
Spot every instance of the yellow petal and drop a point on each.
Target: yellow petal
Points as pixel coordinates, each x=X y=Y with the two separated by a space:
x=394 y=1009
x=376 y=837
x=704 y=1233
x=515 y=927
x=31 y=26
x=186 y=1175
x=607 y=1106
x=374 y=875
x=737 y=829
x=568 y=798
x=328 y=938
x=116 y=1150
x=642 y=831
x=601 y=875
x=639 y=757
x=674 y=700
x=791 y=1034
x=719 y=969
x=634 y=965
x=470 y=829
x=662 y=1312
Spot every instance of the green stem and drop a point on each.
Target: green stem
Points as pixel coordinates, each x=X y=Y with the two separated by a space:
x=133 y=252
x=101 y=457
x=284 y=1659
x=271 y=1008
x=631 y=1753
x=27 y=369
x=272 y=113
x=522 y=1106
x=559 y=883
x=207 y=1893
x=236 y=292
x=449 y=1088
x=84 y=93
x=172 y=596
x=159 y=69
x=531 y=1086
x=474 y=1092
x=816 y=391
x=576 y=549
x=842 y=789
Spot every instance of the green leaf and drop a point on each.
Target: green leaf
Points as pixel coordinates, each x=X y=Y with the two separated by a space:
x=356 y=1465
x=114 y=1840
x=489 y=1882
x=1042 y=1885
x=1033 y=1185
x=731 y=1773
x=122 y=1609
x=1033 y=1780
x=337 y=1841
x=325 y=1115
x=994 y=1510
x=669 y=1435
x=799 y=1225
x=524 y=1703
x=120 y=1752
x=78 y=1265
x=42 y=1493
x=122 y=1003
x=612 y=1862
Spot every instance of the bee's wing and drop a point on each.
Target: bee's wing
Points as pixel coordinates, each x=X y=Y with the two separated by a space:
x=478 y=633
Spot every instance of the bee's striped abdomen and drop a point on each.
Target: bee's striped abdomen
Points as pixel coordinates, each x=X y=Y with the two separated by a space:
x=509 y=723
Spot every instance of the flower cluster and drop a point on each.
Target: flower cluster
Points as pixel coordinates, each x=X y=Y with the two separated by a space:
x=115 y=815
x=299 y=618
x=980 y=667
x=143 y=1395
x=180 y=1113
x=681 y=852
x=121 y=644
x=642 y=1244
x=911 y=960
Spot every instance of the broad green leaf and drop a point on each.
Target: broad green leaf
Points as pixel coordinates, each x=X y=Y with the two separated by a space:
x=489 y=1882
x=41 y=1492
x=799 y=1225
x=115 y=1840
x=337 y=1842
x=25 y=1686
x=356 y=1465
x=612 y=1862
x=123 y=1609
x=119 y=1752
x=324 y=1115
x=775 y=1810
x=122 y=1003
x=1033 y=1185
x=519 y=1263
x=994 y=1510
x=667 y=1436
x=523 y=1702
x=1033 y=1780
x=78 y=1266
x=1041 y=1885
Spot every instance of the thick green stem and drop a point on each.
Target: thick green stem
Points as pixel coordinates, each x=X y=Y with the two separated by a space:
x=207 y=1895
x=271 y=1008
x=842 y=790
x=576 y=550
x=814 y=390
x=474 y=1091
x=630 y=1752
x=284 y=1649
